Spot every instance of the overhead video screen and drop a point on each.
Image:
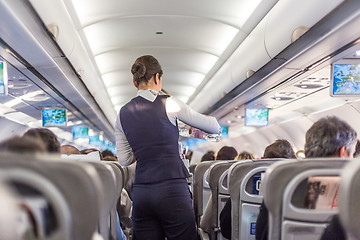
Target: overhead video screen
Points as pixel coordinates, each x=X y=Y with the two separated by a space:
x=345 y=80
x=256 y=117
x=52 y=117
x=3 y=79
x=80 y=132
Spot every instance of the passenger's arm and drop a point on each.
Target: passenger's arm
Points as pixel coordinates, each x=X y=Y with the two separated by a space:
x=123 y=150
x=178 y=109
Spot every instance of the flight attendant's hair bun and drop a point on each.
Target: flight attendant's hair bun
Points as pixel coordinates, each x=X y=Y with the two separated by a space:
x=144 y=68
x=138 y=70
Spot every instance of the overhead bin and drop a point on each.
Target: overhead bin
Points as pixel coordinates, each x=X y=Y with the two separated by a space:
x=287 y=16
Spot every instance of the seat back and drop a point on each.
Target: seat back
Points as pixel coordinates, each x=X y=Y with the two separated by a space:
x=285 y=190
x=349 y=195
x=118 y=178
x=219 y=194
x=244 y=178
x=108 y=195
x=68 y=187
x=198 y=188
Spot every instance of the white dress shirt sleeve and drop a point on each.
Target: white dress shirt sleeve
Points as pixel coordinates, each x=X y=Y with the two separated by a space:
x=123 y=150
x=177 y=109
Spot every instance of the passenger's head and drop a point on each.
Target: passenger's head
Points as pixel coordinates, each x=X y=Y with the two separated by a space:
x=226 y=153
x=144 y=69
x=109 y=159
x=69 y=150
x=330 y=137
x=106 y=153
x=209 y=156
x=279 y=149
x=357 y=149
x=23 y=145
x=245 y=155
x=48 y=137
x=89 y=150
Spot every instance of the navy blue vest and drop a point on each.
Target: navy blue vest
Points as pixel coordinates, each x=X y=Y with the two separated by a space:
x=154 y=140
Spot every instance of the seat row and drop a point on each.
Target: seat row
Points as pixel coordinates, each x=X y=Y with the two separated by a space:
x=285 y=186
x=64 y=199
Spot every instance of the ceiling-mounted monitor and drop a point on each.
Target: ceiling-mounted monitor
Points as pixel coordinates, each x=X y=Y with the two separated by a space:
x=54 y=117
x=256 y=117
x=80 y=132
x=345 y=78
x=3 y=78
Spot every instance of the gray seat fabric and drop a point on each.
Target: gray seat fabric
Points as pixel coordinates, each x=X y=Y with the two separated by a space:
x=349 y=196
x=107 y=194
x=282 y=179
x=198 y=188
x=69 y=186
x=118 y=178
x=244 y=204
x=216 y=171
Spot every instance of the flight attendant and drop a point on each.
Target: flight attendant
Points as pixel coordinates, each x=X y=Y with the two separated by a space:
x=146 y=126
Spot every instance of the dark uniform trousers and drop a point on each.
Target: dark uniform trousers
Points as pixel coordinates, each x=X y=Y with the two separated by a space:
x=162 y=210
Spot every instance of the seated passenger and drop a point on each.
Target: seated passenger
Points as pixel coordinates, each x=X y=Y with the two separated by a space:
x=279 y=149
x=245 y=155
x=69 y=150
x=23 y=145
x=209 y=156
x=107 y=153
x=328 y=137
x=225 y=153
x=48 y=137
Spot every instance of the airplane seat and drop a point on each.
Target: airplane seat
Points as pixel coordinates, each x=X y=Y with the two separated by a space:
x=192 y=168
x=198 y=189
x=13 y=219
x=107 y=194
x=118 y=178
x=349 y=195
x=64 y=194
x=218 y=196
x=244 y=180
x=287 y=218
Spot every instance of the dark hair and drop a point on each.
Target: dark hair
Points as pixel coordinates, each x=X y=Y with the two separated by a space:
x=245 y=155
x=23 y=145
x=226 y=153
x=106 y=153
x=69 y=149
x=357 y=149
x=48 y=137
x=89 y=150
x=109 y=159
x=327 y=136
x=281 y=148
x=209 y=156
x=144 y=68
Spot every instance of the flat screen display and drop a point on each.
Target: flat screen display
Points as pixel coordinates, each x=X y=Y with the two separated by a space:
x=345 y=80
x=95 y=141
x=3 y=79
x=256 y=117
x=224 y=131
x=80 y=132
x=54 y=117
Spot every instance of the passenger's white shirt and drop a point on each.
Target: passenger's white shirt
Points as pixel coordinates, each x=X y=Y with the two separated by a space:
x=175 y=109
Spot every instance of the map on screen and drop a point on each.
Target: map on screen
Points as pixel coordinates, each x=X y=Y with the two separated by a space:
x=54 y=117
x=346 y=79
x=80 y=132
x=256 y=117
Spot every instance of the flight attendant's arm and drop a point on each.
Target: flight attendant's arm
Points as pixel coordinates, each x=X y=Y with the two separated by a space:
x=177 y=109
x=123 y=150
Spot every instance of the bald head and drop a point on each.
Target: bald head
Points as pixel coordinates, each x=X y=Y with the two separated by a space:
x=68 y=150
